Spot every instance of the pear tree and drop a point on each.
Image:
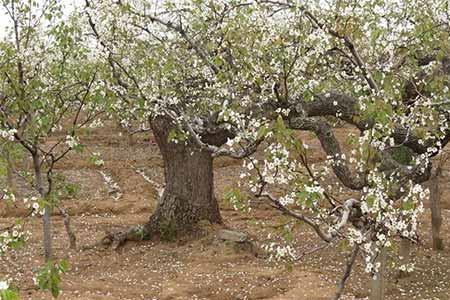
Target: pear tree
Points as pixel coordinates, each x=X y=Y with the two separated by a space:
x=48 y=92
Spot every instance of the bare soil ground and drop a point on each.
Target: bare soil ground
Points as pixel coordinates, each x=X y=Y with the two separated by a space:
x=200 y=267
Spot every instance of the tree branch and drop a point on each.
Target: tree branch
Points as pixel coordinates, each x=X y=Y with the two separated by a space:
x=348 y=270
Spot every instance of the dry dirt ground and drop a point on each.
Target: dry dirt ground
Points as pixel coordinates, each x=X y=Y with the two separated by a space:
x=201 y=267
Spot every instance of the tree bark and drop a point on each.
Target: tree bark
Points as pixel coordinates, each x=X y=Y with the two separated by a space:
x=435 y=206
x=405 y=256
x=378 y=283
x=188 y=196
x=10 y=172
x=47 y=208
x=348 y=270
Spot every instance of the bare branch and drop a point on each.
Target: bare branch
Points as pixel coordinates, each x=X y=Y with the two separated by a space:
x=348 y=270
x=277 y=204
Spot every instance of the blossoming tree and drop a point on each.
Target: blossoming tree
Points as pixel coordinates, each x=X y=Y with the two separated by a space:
x=187 y=70
x=382 y=68
x=218 y=77
x=45 y=90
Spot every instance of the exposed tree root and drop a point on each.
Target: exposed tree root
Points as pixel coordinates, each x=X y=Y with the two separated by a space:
x=118 y=239
x=115 y=240
x=155 y=228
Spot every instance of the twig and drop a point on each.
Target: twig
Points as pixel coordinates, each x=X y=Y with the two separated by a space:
x=311 y=251
x=324 y=236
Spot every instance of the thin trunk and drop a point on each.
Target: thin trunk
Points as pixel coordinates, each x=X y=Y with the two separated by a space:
x=188 y=196
x=348 y=270
x=379 y=281
x=47 y=208
x=11 y=184
x=405 y=256
x=436 y=214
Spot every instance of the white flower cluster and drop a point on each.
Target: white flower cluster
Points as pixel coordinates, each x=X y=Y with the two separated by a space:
x=280 y=252
x=387 y=218
x=407 y=268
x=96 y=123
x=288 y=199
x=8 y=134
x=72 y=141
x=11 y=237
x=8 y=196
x=34 y=204
x=4 y=285
x=96 y=158
x=372 y=251
x=247 y=126
x=314 y=189
x=355 y=236
x=278 y=167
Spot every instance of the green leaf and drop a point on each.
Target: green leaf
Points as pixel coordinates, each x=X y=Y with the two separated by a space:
x=237 y=199
x=370 y=200
x=408 y=205
x=262 y=132
x=49 y=277
x=9 y=295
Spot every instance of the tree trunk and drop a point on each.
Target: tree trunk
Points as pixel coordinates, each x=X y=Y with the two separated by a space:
x=405 y=256
x=188 y=196
x=10 y=172
x=378 y=283
x=47 y=208
x=435 y=206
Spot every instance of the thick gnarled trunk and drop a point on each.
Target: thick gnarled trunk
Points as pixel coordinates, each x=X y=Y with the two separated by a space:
x=188 y=196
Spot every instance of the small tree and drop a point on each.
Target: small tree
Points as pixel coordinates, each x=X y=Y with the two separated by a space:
x=45 y=89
